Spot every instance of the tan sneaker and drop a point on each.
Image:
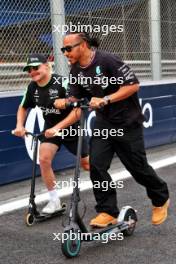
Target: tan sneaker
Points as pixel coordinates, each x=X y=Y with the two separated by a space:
x=159 y=214
x=103 y=220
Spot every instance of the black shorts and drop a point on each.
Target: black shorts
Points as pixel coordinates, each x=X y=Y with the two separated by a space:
x=70 y=143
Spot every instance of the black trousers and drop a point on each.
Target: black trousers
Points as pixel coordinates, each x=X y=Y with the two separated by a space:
x=130 y=150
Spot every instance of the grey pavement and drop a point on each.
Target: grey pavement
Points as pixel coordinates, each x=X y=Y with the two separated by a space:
x=21 y=189
x=20 y=244
x=149 y=244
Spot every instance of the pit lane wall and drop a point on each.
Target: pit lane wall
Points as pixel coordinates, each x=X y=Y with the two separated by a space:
x=158 y=102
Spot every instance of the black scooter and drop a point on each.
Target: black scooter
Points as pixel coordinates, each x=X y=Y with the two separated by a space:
x=33 y=215
x=76 y=231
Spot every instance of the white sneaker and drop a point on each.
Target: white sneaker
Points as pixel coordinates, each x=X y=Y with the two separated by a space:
x=52 y=207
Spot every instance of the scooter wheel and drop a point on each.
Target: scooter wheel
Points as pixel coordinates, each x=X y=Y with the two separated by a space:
x=71 y=245
x=130 y=215
x=29 y=219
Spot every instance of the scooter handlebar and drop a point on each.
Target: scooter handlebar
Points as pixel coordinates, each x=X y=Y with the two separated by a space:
x=82 y=103
x=29 y=133
x=34 y=134
x=13 y=132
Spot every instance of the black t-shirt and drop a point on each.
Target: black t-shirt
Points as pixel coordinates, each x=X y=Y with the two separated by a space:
x=44 y=97
x=103 y=77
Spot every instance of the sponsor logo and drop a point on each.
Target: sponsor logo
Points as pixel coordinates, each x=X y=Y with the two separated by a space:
x=53 y=92
x=35 y=115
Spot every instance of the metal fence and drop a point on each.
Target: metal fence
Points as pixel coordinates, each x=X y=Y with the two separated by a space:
x=27 y=27
x=168 y=37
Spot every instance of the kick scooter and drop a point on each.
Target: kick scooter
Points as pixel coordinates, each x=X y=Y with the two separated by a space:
x=33 y=215
x=76 y=231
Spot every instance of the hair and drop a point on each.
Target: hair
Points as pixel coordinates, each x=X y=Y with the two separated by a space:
x=91 y=41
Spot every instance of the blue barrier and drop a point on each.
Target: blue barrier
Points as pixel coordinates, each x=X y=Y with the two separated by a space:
x=15 y=163
x=162 y=99
x=158 y=103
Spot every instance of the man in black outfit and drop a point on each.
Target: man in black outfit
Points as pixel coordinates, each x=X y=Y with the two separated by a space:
x=121 y=110
x=42 y=91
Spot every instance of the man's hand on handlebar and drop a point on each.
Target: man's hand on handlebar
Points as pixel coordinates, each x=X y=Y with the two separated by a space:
x=64 y=103
x=60 y=103
x=96 y=102
x=19 y=131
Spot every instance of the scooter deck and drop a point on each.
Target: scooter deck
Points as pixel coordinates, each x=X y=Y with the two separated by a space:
x=119 y=226
x=116 y=228
x=43 y=217
x=92 y=233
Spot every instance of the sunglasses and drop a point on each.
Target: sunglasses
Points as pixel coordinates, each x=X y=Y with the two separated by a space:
x=69 y=47
x=34 y=68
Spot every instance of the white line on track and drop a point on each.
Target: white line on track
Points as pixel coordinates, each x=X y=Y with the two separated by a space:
x=123 y=174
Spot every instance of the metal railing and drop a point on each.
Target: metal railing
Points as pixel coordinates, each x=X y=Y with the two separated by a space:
x=12 y=78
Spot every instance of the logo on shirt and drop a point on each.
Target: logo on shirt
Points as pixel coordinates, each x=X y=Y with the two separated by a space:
x=98 y=70
x=127 y=72
x=52 y=110
x=53 y=93
x=36 y=96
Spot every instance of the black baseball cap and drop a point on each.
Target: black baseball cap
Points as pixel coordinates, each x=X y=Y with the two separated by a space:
x=35 y=60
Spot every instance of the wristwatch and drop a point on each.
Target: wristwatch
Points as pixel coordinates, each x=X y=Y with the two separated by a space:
x=107 y=99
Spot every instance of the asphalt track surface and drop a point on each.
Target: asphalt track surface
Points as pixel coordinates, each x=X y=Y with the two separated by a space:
x=149 y=244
